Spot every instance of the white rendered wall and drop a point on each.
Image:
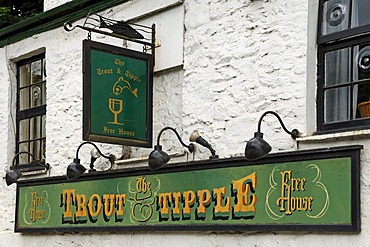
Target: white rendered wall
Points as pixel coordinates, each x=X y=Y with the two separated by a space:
x=241 y=58
x=50 y=4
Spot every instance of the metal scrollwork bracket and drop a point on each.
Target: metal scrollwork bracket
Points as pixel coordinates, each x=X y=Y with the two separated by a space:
x=125 y=30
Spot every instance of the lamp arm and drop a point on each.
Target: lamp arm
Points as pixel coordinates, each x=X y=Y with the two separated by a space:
x=111 y=157
x=294 y=133
x=33 y=157
x=177 y=134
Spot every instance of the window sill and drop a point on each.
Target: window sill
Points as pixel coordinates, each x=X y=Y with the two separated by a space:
x=143 y=161
x=334 y=136
x=34 y=173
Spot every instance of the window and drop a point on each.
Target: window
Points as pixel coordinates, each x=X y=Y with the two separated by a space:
x=343 y=65
x=31 y=111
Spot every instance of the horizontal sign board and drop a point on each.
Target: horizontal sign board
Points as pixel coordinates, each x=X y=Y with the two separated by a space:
x=315 y=190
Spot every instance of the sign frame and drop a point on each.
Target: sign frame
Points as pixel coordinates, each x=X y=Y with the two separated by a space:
x=110 y=135
x=351 y=152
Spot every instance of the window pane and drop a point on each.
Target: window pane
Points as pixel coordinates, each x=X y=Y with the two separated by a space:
x=44 y=70
x=43 y=127
x=362 y=96
x=361 y=67
x=337 y=67
x=360 y=13
x=337 y=104
x=23 y=158
x=36 y=96
x=35 y=129
x=35 y=149
x=36 y=71
x=43 y=93
x=43 y=147
x=24 y=98
x=23 y=132
x=24 y=75
x=335 y=16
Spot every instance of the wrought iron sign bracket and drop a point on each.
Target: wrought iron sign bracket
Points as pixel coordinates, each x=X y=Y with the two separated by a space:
x=144 y=35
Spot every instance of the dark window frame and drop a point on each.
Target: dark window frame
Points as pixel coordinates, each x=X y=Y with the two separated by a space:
x=28 y=114
x=330 y=42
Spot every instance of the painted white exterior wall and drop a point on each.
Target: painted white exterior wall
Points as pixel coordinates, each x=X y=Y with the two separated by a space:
x=240 y=59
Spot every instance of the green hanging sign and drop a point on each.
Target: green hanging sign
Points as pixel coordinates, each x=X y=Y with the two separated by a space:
x=117 y=98
x=316 y=190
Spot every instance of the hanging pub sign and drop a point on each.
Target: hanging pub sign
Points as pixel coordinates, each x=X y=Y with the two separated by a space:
x=117 y=95
x=312 y=190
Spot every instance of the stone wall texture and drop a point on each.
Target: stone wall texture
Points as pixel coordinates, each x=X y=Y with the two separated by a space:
x=241 y=58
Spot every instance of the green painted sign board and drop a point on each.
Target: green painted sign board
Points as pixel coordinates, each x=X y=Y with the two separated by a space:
x=117 y=95
x=300 y=191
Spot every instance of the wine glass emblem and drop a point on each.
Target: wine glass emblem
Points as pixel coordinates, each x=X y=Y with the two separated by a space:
x=116 y=107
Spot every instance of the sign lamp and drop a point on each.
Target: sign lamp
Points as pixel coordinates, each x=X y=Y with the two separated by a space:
x=158 y=158
x=256 y=147
x=75 y=169
x=195 y=137
x=14 y=174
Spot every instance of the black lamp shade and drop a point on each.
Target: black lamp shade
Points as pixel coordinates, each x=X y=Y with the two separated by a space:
x=75 y=169
x=12 y=176
x=256 y=147
x=158 y=158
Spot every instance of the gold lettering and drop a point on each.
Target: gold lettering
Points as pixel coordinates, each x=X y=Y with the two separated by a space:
x=176 y=200
x=69 y=197
x=163 y=199
x=108 y=204
x=81 y=206
x=120 y=202
x=117 y=61
x=204 y=199
x=108 y=130
x=189 y=197
x=219 y=193
x=100 y=71
x=285 y=192
x=287 y=202
x=129 y=75
x=34 y=213
x=242 y=188
x=94 y=211
x=93 y=207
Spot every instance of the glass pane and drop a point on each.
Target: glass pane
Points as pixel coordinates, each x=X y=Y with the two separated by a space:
x=44 y=69
x=23 y=132
x=36 y=71
x=360 y=13
x=361 y=67
x=24 y=99
x=24 y=75
x=35 y=129
x=43 y=127
x=36 y=95
x=35 y=150
x=335 y=16
x=43 y=93
x=23 y=158
x=43 y=148
x=337 y=67
x=337 y=104
x=362 y=98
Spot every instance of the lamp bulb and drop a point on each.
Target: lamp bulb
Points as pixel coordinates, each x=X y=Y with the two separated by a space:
x=94 y=153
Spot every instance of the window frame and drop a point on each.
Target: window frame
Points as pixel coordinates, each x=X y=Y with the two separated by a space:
x=38 y=111
x=330 y=42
